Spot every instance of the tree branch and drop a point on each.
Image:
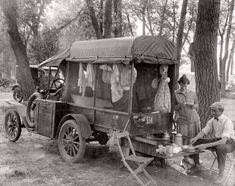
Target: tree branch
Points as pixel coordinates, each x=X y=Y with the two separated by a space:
x=93 y=17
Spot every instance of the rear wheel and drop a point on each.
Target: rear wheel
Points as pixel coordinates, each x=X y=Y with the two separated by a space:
x=12 y=125
x=70 y=142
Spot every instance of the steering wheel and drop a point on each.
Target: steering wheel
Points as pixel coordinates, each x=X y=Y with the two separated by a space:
x=58 y=83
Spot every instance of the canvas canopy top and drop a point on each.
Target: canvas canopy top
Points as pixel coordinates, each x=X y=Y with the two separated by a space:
x=147 y=49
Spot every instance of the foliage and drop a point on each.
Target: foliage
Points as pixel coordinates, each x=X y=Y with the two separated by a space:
x=44 y=46
x=72 y=19
x=153 y=15
x=41 y=41
x=162 y=18
x=129 y=23
x=31 y=20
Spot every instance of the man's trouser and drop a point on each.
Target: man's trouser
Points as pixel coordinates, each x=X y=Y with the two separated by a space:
x=221 y=151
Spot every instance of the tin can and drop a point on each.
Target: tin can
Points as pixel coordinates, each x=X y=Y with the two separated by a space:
x=169 y=150
x=179 y=139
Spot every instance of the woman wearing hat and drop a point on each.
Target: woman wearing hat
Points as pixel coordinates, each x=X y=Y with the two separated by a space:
x=186 y=116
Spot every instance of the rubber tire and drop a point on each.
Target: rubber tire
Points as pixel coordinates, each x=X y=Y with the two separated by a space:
x=15 y=125
x=17 y=91
x=67 y=156
x=32 y=98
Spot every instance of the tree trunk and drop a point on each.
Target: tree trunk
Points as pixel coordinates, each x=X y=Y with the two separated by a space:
x=108 y=19
x=221 y=55
x=231 y=69
x=223 y=65
x=174 y=21
x=205 y=40
x=231 y=55
x=129 y=23
x=6 y=61
x=162 y=18
x=94 y=20
x=180 y=36
x=144 y=21
x=150 y=23
x=118 y=15
x=25 y=77
x=100 y=32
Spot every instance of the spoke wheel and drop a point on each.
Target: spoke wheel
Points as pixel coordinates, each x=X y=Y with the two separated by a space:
x=12 y=125
x=70 y=142
x=17 y=94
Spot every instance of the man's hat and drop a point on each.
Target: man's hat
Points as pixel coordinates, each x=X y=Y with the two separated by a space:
x=217 y=105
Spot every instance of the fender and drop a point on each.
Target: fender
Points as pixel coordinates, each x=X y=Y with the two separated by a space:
x=82 y=122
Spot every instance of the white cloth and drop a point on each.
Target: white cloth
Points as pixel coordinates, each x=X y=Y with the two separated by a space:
x=106 y=74
x=219 y=129
x=125 y=76
x=116 y=89
x=82 y=82
x=155 y=83
x=90 y=76
x=120 y=80
x=162 y=100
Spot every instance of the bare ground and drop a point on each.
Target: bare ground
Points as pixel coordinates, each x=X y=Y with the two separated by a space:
x=35 y=160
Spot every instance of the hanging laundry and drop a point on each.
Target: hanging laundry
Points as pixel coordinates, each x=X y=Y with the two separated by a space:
x=90 y=76
x=155 y=83
x=116 y=89
x=106 y=73
x=125 y=76
x=82 y=82
x=162 y=101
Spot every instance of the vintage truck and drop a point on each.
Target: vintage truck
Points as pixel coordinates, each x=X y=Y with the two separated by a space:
x=108 y=85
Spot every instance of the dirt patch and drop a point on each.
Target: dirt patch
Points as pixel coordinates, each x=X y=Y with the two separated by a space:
x=35 y=160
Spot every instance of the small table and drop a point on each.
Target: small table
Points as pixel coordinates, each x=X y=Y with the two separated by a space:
x=163 y=158
x=179 y=154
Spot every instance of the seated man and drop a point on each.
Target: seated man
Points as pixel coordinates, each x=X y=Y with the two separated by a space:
x=220 y=128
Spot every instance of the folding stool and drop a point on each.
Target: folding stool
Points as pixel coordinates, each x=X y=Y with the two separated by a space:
x=142 y=162
x=231 y=165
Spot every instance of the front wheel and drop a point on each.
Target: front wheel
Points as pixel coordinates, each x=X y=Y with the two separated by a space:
x=12 y=125
x=70 y=142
